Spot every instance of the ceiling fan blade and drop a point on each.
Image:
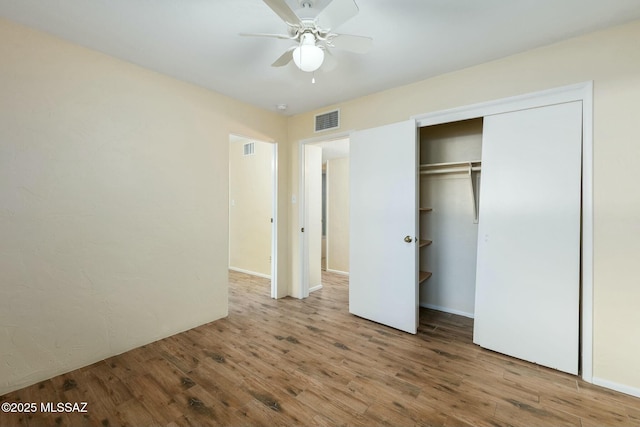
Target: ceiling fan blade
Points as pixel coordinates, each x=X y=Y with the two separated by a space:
x=337 y=13
x=283 y=10
x=285 y=58
x=357 y=44
x=276 y=36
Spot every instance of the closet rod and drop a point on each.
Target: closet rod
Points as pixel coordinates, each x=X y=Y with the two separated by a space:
x=439 y=165
x=451 y=170
x=466 y=167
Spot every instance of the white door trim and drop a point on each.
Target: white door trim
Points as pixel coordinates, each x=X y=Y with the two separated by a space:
x=577 y=92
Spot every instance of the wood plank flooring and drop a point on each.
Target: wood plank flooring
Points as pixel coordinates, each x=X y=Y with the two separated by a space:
x=308 y=363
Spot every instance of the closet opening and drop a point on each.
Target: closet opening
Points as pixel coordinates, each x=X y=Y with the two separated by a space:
x=449 y=184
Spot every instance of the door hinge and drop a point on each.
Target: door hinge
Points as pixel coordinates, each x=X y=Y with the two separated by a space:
x=302 y=230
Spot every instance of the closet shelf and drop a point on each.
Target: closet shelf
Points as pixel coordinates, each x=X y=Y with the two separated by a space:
x=424 y=243
x=451 y=167
x=423 y=275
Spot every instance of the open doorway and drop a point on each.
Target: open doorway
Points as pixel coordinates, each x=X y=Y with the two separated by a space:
x=252 y=195
x=324 y=211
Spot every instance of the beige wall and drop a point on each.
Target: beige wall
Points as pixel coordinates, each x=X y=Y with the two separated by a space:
x=338 y=214
x=250 y=208
x=113 y=204
x=611 y=59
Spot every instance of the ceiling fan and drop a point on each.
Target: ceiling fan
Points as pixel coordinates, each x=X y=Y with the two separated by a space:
x=314 y=34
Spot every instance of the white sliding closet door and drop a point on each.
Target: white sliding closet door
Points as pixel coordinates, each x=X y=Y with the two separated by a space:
x=528 y=267
x=383 y=266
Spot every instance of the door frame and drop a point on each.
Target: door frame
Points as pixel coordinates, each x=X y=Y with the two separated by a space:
x=275 y=285
x=576 y=92
x=302 y=290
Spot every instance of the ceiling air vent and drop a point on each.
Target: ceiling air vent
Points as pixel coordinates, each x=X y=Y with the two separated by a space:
x=249 y=148
x=325 y=121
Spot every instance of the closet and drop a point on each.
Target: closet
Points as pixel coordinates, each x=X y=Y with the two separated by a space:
x=479 y=211
x=449 y=183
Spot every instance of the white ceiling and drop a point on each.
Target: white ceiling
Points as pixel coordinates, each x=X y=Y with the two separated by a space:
x=197 y=40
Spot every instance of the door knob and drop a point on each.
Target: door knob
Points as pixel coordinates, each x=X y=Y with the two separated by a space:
x=408 y=239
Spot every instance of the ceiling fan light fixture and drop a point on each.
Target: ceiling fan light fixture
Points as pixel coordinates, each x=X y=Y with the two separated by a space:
x=308 y=57
x=312 y=30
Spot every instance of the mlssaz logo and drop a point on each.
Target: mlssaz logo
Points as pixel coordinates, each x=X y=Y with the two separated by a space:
x=63 y=407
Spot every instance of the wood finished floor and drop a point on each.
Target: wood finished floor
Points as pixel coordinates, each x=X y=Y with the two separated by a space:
x=304 y=363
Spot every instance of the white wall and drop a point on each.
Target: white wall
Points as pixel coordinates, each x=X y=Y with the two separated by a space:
x=113 y=204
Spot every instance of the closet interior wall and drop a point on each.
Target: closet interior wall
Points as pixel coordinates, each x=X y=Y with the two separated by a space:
x=452 y=191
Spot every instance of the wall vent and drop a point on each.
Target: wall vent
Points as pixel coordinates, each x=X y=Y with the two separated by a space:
x=325 y=121
x=249 y=148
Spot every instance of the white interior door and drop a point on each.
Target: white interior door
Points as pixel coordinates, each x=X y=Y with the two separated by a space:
x=528 y=267
x=383 y=266
x=313 y=213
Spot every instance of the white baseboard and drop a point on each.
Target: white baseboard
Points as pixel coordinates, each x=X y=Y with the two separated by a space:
x=622 y=388
x=447 y=310
x=253 y=273
x=344 y=273
x=315 y=288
